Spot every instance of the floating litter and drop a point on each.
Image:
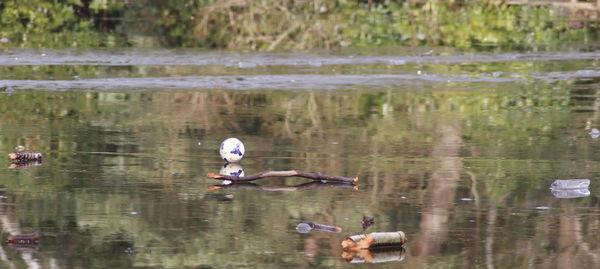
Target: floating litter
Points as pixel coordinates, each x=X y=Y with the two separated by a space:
x=570 y=184
x=306 y=227
x=570 y=188
x=232 y=150
x=303 y=228
x=594 y=133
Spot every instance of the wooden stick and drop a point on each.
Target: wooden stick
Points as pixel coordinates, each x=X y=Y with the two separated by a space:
x=306 y=186
x=374 y=240
x=290 y=173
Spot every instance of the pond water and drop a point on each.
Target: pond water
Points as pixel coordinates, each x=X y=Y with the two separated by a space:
x=457 y=150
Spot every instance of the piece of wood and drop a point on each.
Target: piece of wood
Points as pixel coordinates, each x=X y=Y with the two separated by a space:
x=374 y=240
x=289 y=173
x=306 y=186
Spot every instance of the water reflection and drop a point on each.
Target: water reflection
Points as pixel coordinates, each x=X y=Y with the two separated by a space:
x=417 y=154
x=232 y=169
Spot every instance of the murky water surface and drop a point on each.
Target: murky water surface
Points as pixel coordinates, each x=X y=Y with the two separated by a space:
x=459 y=151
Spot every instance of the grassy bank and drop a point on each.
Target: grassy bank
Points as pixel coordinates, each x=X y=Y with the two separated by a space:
x=285 y=24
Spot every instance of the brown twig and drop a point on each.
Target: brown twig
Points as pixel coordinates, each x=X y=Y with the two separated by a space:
x=290 y=173
x=306 y=186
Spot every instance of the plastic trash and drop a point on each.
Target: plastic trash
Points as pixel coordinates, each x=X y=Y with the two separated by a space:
x=570 y=188
x=570 y=184
x=594 y=133
x=306 y=227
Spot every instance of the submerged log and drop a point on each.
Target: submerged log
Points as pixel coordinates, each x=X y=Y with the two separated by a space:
x=374 y=240
x=25 y=156
x=289 y=173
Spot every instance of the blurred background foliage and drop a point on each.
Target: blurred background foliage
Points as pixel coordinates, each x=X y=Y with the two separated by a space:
x=292 y=24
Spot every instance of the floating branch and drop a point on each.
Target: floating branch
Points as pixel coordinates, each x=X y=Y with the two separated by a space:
x=374 y=240
x=290 y=173
x=25 y=156
x=305 y=186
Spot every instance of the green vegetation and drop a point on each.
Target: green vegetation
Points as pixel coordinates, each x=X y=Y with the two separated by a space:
x=282 y=24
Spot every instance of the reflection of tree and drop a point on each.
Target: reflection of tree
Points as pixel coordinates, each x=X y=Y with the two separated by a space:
x=115 y=153
x=11 y=226
x=439 y=195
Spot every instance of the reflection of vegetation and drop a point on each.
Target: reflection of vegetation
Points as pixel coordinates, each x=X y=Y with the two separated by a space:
x=277 y=24
x=124 y=169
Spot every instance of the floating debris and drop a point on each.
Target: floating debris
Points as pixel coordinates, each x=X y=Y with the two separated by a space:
x=232 y=150
x=594 y=133
x=229 y=196
x=374 y=240
x=289 y=173
x=306 y=227
x=542 y=207
x=394 y=254
x=367 y=221
x=305 y=186
x=570 y=184
x=20 y=148
x=25 y=156
x=570 y=188
x=128 y=251
x=23 y=239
